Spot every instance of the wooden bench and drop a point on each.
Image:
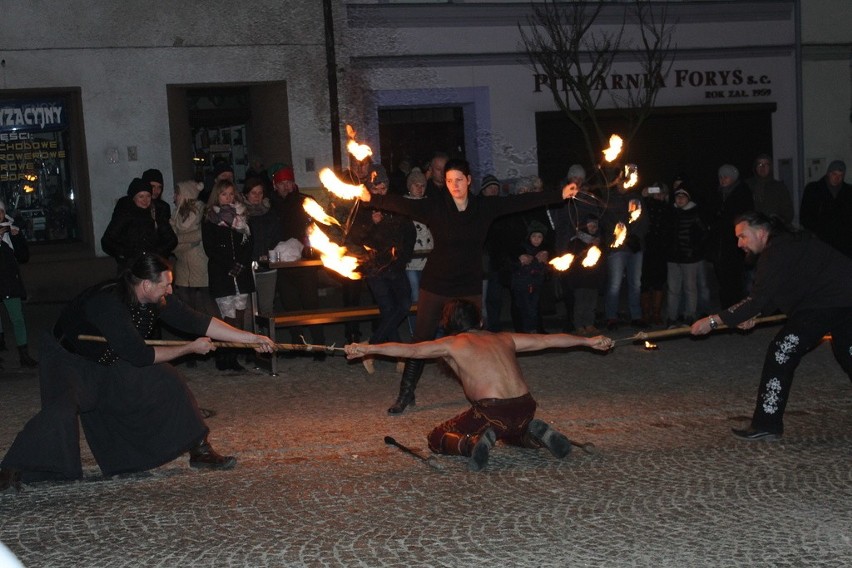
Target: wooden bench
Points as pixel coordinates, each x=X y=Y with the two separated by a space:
x=319 y=316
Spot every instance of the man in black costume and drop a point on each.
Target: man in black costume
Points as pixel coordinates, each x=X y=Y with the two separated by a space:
x=136 y=409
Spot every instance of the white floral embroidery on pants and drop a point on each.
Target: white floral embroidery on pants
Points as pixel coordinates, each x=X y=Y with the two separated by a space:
x=785 y=347
x=771 y=398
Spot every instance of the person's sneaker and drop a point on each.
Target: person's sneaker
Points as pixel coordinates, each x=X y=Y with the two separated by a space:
x=205 y=457
x=558 y=444
x=481 y=450
x=752 y=435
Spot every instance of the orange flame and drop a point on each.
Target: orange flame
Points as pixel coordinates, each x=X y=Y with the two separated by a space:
x=635 y=209
x=333 y=256
x=615 y=144
x=650 y=346
x=619 y=233
x=317 y=213
x=631 y=172
x=593 y=255
x=337 y=187
x=360 y=151
x=562 y=263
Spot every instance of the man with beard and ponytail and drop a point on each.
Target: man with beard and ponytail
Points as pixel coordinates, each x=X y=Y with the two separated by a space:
x=136 y=409
x=808 y=281
x=487 y=367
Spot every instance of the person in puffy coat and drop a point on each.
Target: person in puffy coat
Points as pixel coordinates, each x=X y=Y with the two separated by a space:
x=191 y=282
x=135 y=227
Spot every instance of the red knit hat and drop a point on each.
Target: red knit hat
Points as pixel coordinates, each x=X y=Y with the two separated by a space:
x=284 y=174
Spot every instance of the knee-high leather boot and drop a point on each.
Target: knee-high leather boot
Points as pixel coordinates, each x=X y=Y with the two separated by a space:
x=410 y=376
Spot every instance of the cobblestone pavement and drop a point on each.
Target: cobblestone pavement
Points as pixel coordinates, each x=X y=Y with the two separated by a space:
x=317 y=486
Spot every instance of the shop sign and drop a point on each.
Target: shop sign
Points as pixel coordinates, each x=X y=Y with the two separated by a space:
x=716 y=84
x=31 y=116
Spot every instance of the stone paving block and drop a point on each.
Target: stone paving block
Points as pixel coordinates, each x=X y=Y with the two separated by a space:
x=317 y=486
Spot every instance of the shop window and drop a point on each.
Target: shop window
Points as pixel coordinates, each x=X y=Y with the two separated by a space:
x=36 y=181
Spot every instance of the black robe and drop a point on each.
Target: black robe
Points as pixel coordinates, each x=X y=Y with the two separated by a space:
x=136 y=415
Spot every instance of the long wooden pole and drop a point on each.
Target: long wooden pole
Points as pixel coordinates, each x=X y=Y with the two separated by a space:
x=226 y=344
x=649 y=335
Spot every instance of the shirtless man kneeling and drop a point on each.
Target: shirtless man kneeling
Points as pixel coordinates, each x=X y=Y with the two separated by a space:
x=485 y=363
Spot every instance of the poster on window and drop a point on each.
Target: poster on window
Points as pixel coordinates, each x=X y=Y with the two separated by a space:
x=35 y=168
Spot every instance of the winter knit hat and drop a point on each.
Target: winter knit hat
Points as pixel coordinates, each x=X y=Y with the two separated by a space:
x=415 y=176
x=189 y=189
x=727 y=170
x=837 y=166
x=283 y=174
x=576 y=171
x=153 y=175
x=379 y=174
x=536 y=227
x=489 y=180
x=138 y=185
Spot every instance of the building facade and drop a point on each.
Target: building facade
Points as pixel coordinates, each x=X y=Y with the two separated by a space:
x=121 y=87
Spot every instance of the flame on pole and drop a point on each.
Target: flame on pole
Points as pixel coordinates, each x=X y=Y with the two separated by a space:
x=615 y=145
x=359 y=151
x=592 y=257
x=337 y=187
x=562 y=263
x=317 y=213
x=634 y=207
x=619 y=234
x=333 y=256
x=631 y=175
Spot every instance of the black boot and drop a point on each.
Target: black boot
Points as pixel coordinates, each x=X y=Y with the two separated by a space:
x=410 y=376
x=10 y=477
x=204 y=456
x=26 y=360
x=234 y=365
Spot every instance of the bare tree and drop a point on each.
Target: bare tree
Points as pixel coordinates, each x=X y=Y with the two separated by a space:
x=566 y=44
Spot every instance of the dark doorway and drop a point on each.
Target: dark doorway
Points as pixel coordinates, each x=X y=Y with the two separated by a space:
x=693 y=141
x=415 y=133
x=232 y=123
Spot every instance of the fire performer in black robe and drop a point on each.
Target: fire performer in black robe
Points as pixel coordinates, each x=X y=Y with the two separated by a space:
x=136 y=409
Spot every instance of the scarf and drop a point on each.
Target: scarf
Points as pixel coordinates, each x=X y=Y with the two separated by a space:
x=231 y=216
x=7 y=236
x=261 y=208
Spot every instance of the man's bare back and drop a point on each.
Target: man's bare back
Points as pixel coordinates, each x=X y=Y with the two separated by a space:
x=485 y=362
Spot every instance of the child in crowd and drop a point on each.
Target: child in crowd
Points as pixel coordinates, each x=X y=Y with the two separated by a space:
x=586 y=281
x=528 y=274
x=686 y=254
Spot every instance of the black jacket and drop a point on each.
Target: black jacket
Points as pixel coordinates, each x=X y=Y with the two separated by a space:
x=829 y=217
x=132 y=231
x=228 y=260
